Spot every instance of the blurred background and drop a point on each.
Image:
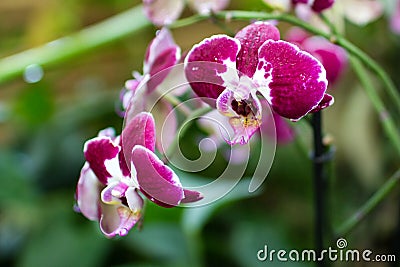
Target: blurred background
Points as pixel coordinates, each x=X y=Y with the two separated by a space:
x=44 y=124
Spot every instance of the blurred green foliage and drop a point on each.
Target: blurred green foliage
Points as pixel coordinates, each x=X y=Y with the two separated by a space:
x=43 y=127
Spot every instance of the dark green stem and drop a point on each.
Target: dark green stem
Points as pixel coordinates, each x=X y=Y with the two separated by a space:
x=319 y=185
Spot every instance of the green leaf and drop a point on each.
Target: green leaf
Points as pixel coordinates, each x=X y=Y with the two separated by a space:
x=35 y=104
x=59 y=241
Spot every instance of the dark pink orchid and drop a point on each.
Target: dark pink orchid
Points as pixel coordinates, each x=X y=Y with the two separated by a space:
x=164 y=12
x=143 y=93
x=109 y=190
x=253 y=63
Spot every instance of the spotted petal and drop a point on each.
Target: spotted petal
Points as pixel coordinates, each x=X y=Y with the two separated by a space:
x=88 y=194
x=293 y=81
x=102 y=155
x=332 y=57
x=243 y=127
x=162 y=12
x=208 y=79
x=251 y=38
x=243 y=130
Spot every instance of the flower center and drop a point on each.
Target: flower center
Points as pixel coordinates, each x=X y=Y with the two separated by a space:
x=241 y=107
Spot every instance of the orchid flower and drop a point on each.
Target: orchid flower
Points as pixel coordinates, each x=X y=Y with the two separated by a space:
x=119 y=170
x=285 y=5
x=164 y=12
x=256 y=62
x=143 y=92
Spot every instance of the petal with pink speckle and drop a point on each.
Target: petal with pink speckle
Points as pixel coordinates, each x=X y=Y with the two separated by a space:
x=294 y=81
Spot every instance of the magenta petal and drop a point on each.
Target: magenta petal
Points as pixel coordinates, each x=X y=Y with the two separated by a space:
x=320 y=5
x=300 y=1
x=327 y=101
x=97 y=151
x=294 y=81
x=161 y=67
x=140 y=130
x=161 y=54
x=88 y=194
x=191 y=196
x=333 y=57
x=155 y=179
x=157 y=47
x=219 y=49
x=162 y=12
x=251 y=38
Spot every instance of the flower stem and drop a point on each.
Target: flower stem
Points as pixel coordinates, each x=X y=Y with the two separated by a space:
x=319 y=185
x=372 y=203
x=60 y=50
x=385 y=117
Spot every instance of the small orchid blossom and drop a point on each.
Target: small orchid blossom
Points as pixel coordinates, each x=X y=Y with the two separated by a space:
x=256 y=62
x=360 y=12
x=117 y=169
x=161 y=54
x=143 y=92
x=316 y=5
x=285 y=5
x=164 y=12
